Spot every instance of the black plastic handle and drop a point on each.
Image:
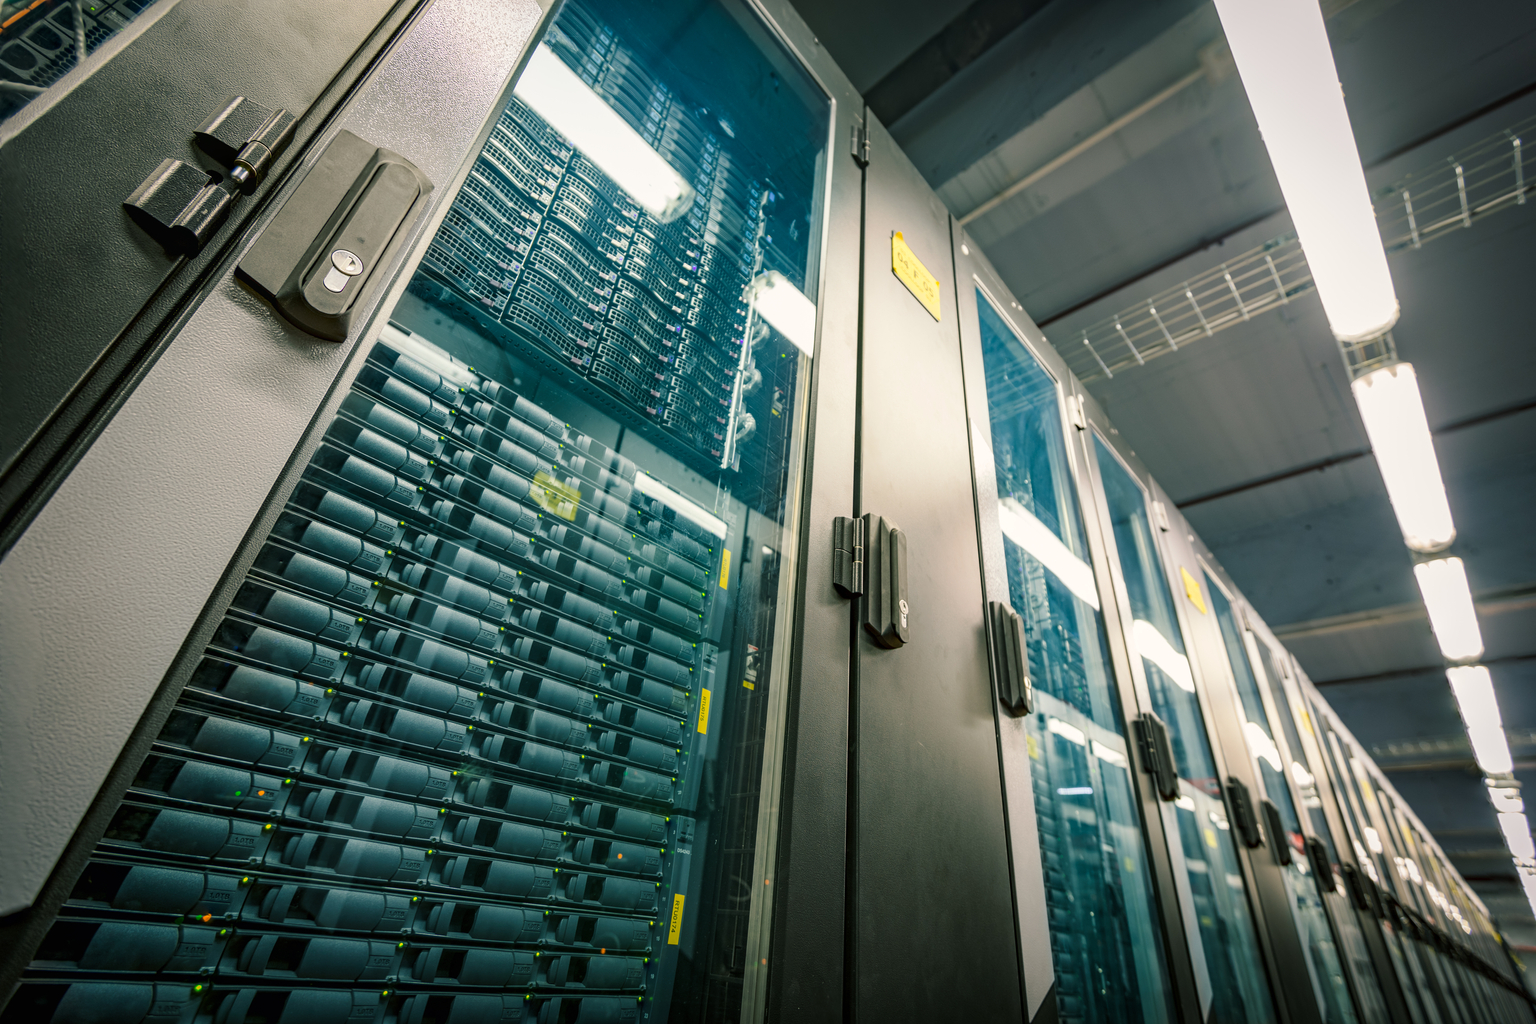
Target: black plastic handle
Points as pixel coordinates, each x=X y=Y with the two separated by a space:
x=884 y=607
x=1156 y=754
x=1240 y=805
x=1010 y=663
x=1282 y=841
x=1322 y=866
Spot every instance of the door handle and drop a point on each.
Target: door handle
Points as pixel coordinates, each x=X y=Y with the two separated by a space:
x=883 y=606
x=1010 y=660
x=321 y=254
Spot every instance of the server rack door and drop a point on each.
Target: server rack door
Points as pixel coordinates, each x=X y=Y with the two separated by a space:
x=486 y=722
x=1354 y=922
x=1366 y=843
x=1272 y=747
x=932 y=924
x=1219 y=920
x=1359 y=941
x=1095 y=944
x=93 y=97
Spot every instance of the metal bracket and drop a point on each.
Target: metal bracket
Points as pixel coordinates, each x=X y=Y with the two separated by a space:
x=858 y=143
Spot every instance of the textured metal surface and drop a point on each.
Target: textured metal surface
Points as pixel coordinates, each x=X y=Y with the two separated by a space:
x=934 y=935
x=97 y=596
x=87 y=269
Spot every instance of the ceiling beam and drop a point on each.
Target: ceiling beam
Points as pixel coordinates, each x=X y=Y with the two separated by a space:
x=972 y=33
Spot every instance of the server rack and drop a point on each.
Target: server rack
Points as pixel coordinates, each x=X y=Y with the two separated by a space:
x=444 y=732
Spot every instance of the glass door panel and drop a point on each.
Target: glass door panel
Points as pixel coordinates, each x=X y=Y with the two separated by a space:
x=1227 y=939
x=42 y=42
x=1106 y=939
x=483 y=735
x=1272 y=762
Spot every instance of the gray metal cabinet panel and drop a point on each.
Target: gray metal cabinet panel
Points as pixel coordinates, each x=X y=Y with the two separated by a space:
x=933 y=928
x=66 y=168
x=98 y=595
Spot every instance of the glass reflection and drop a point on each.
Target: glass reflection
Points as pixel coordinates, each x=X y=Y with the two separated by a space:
x=1105 y=940
x=1228 y=943
x=1302 y=891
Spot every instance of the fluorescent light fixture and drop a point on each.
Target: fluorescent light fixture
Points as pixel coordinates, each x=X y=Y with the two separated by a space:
x=1393 y=412
x=785 y=307
x=1528 y=882
x=1068 y=731
x=1185 y=803
x=1153 y=646
x=1075 y=791
x=1110 y=754
x=1443 y=585
x=587 y=121
x=1505 y=798
x=685 y=507
x=1473 y=688
x=1262 y=745
x=1282 y=54
x=1020 y=526
x=1517 y=836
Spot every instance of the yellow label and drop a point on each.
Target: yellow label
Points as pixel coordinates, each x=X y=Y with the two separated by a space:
x=1034 y=748
x=748 y=685
x=725 y=568
x=1210 y=838
x=703 y=711
x=909 y=270
x=555 y=497
x=676 y=927
x=1192 y=588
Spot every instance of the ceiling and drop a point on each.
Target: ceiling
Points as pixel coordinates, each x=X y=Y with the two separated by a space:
x=1252 y=431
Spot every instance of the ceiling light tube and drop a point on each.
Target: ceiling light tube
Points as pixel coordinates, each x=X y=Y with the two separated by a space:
x=1393 y=412
x=1473 y=687
x=1040 y=543
x=1453 y=617
x=1517 y=836
x=1282 y=54
x=785 y=307
x=587 y=121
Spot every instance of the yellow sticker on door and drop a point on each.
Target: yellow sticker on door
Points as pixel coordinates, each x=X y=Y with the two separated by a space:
x=909 y=270
x=1192 y=590
x=703 y=711
x=675 y=929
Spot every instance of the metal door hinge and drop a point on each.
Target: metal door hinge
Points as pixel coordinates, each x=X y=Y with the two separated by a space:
x=858 y=143
x=1156 y=754
x=1160 y=515
x=182 y=206
x=1075 y=411
x=1010 y=663
x=848 y=556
